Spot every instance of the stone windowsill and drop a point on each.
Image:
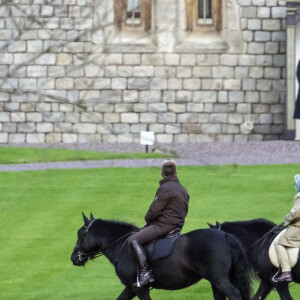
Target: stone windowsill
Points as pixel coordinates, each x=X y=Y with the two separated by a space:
x=132 y=40
x=209 y=41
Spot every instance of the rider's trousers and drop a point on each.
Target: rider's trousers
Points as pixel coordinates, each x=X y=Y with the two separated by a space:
x=283 y=258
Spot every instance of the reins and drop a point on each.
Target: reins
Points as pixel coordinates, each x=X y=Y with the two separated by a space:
x=92 y=255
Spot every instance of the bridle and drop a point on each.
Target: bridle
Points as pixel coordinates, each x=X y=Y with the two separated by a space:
x=86 y=256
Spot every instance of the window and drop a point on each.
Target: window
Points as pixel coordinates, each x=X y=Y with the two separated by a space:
x=201 y=13
x=204 y=12
x=133 y=16
x=133 y=13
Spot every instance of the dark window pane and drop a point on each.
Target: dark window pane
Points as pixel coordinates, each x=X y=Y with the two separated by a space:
x=200 y=9
x=205 y=11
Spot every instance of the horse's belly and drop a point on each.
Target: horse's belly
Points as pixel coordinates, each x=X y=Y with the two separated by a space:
x=173 y=283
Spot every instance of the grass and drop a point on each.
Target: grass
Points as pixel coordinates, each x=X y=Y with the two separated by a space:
x=40 y=212
x=11 y=155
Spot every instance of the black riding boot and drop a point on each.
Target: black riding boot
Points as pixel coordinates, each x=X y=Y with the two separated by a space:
x=145 y=276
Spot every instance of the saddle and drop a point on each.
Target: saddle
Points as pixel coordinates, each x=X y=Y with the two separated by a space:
x=293 y=253
x=162 y=247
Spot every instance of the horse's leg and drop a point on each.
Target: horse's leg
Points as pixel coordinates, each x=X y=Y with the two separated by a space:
x=225 y=287
x=262 y=292
x=143 y=294
x=127 y=294
x=217 y=294
x=283 y=291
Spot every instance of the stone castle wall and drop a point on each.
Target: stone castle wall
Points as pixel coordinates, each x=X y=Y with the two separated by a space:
x=65 y=78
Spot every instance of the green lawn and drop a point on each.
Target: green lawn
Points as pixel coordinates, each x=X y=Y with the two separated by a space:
x=40 y=212
x=11 y=155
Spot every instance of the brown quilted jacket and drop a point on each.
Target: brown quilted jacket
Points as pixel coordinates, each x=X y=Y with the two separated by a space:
x=170 y=205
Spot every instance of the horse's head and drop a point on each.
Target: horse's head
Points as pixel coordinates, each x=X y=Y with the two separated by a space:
x=85 y=243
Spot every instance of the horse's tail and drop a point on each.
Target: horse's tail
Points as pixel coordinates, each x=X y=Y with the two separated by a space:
x=240 y=269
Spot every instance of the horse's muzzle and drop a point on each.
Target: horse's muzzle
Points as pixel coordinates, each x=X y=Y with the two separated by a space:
x=76 y=258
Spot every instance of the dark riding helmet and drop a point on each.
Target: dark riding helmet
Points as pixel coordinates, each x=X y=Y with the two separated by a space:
x=168 y=168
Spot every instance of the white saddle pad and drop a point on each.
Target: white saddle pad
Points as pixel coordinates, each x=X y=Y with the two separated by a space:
x=293 y=253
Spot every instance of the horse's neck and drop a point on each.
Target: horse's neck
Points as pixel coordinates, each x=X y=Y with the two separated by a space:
x=114 y=251
x=111 y=240
x=247 y=235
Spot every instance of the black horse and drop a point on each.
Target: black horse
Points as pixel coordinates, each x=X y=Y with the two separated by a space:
x=256 y=236
x=204 y=253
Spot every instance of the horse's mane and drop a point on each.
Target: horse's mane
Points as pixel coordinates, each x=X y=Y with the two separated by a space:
x=115 y=227
x=259 y=222
x=260 y=226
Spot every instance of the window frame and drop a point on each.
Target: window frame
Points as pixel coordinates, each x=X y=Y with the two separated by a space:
x=192 y=24
x=120 y=15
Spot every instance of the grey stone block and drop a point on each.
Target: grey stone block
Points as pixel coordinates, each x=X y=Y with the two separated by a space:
x=173 y=128
x=195 y=107
x=166 y=117
x=84 y=128
x=127 y=107
x=168 y=96
x=164 y=138
x=69 y=138
x=187 y=118
x=53 y=138
x=236 y=96
x=129 y=118
x=157 y=107
x=184 y=72
x=222 y=72
x=16 y=138
x=202 y=72
x=26 y=127
x=121 y=128
x=191 y=84
x=205 y=96
x=138 y=83
x=35 y=138
x=132 y=59
x=148 y=117
x=219 y=118
x=44 y=127
x=143 y=71
x=111 y=118
x=183 y=96
x=174 y=84
x=230 y=129
x=177 y=108
x=150 y=96
x=158 y=84
x=3 y=138
x=130 y=96
x=105 y=128
x=212 y=84
x=153 y=59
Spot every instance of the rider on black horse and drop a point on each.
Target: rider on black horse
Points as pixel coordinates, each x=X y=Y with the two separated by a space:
x=290 y=238
x=166 y=213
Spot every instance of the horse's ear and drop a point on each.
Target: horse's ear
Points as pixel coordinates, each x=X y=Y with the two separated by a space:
x=85 y=220
x=92 y=217
x=210 y=225
x=218 y=224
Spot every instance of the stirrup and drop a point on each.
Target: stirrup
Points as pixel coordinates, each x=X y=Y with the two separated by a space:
x=273 y=278
x=138 y=284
